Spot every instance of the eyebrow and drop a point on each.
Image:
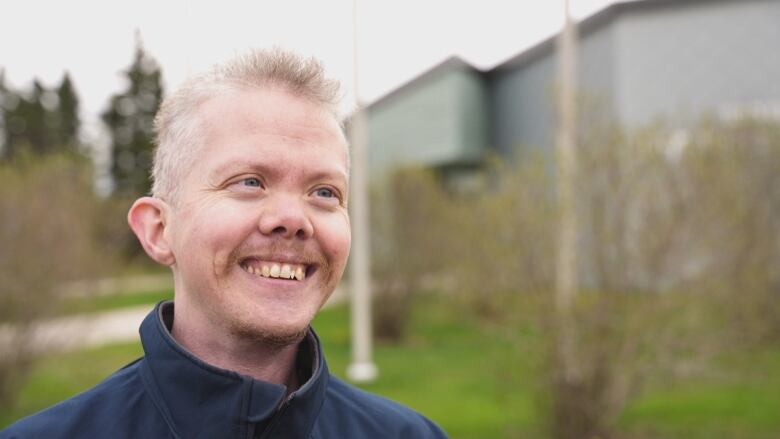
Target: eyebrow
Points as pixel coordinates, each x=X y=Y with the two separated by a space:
x=326 y=175
x=229 y=167
x=219 y=173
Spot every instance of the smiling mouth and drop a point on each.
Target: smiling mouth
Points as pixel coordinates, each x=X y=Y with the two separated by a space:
x=276 y=270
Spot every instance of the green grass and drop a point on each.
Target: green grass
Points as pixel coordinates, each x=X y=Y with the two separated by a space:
x=743 y=403
x=446 y=370
x=61 y=376
x=476 y=386
x=708 y=411
x=110 y=302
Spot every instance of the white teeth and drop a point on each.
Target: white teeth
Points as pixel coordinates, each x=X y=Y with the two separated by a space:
x=283 y=271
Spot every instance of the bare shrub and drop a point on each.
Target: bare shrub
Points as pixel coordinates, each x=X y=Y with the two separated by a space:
x=501 y=238
x=734 y=170
x=410 y=224
x=46 y=211
x=481 y=248
x=679 y=242
x=673 y=242
x=117 y=239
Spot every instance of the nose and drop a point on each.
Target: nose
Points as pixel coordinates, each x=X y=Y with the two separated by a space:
x=285 y=217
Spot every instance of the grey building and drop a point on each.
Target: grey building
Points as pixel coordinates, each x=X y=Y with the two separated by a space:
x=441 y=118
x=639 y=61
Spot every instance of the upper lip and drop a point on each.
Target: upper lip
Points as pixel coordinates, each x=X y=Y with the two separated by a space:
x=281 y=258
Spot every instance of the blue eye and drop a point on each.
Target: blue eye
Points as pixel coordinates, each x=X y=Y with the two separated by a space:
x=325 y=193
x=251 y=182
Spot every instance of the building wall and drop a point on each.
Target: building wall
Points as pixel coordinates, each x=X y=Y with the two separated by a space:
x=673 y=61
x=598 y=76
x=523 y=98
x=474 y=112
x=522 y=106
x=441 y=120
x=680 y=60
x=663 y=59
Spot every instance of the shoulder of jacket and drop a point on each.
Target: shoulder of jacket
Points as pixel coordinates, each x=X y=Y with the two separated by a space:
x=364 y=408
x=93 y=407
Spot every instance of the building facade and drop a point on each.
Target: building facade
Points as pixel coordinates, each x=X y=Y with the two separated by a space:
x=638 y=62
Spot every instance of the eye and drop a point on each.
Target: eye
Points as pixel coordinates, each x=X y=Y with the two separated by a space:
x=247 y=185
x=251 y=182
x=325 y=192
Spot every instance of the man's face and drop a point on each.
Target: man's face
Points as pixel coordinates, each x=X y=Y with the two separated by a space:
x=260 y=233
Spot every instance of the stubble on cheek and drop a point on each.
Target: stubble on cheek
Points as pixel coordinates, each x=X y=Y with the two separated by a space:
x=277 y=338
x=223 y=264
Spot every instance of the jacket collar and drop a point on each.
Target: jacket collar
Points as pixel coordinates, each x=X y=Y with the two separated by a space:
x=200 y=400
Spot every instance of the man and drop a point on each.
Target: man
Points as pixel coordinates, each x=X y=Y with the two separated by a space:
x=249 y=210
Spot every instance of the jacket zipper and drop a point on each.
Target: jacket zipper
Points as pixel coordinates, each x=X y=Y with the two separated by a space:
x=275 y=420
x=277 y=417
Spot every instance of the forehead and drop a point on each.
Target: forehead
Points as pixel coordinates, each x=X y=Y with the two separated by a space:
x=269 y=125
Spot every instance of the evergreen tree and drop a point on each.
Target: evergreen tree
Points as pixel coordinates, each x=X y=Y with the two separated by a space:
x=24 y=117
x=38 y=112
x=13 y=125
x=68 y=114
x=4 y=103
x=41 y=122
x=130 y=118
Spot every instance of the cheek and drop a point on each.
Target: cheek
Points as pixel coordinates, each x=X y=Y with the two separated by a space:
x=214 y=234
x=335 y=237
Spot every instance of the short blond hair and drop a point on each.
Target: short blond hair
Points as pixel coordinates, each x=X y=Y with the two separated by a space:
x=177 y=126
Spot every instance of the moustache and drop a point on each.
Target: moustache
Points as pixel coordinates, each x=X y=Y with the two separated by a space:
x=278 y=249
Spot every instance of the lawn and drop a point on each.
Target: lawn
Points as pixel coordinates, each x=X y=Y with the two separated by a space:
x=743 y=402
x=475 y=386
x=80 y=305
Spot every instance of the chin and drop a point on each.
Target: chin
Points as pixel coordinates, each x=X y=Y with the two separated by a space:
x=273 y=336
x=274 y=332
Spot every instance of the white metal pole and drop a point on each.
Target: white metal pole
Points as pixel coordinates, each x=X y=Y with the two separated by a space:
x=362 y=368
x=566 y=267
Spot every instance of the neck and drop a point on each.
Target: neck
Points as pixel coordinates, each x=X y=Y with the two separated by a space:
x=221 y=348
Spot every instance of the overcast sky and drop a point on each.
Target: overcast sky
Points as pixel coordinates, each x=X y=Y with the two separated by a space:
x=94 y=39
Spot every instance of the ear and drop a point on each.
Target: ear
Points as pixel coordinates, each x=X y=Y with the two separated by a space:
x=147 y=218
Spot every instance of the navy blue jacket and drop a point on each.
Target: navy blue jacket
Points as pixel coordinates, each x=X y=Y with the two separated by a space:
x=169 y=393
